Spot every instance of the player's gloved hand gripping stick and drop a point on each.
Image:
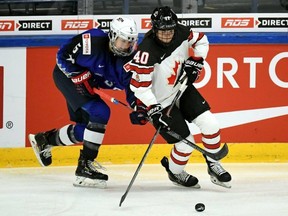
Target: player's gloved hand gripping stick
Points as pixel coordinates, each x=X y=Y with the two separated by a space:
x=217 y=156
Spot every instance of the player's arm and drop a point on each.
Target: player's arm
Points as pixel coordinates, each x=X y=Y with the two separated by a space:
x=192 y=66
x=141 y=81
x=141 y=84
x=139 y=114
x=67 y=57
x=73 y=64
x=199 y=44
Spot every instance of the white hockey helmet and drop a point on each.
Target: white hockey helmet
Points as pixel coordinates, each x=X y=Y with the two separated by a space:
x=126 y=29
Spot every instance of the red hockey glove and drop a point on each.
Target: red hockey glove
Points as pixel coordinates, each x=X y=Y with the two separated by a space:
x=139 y=117
x=84 y=83
x=157 y=117
x=192 y=68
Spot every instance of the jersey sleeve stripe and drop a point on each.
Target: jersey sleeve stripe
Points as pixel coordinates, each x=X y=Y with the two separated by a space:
x=201 y=35
x=141 y=70
x=137 y=84
x=191 y=35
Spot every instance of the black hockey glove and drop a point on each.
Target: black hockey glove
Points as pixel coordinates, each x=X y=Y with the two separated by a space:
x=192 y=68
x=157 y=117
x=84 y=83
x=139 y=117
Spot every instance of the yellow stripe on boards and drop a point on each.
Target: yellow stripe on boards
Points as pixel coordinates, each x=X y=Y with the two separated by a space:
x=132 y=154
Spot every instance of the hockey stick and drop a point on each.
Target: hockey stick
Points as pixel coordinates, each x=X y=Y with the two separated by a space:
x=216 y=156
x=109 y=98
x=180 y=91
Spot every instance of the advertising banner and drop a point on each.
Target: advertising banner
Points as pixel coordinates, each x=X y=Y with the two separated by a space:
x=12 y=97
x=246 y=86
x=55 y=25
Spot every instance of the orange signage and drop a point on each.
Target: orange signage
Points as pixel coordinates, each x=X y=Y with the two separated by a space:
x=246 y=86
x=232 y=22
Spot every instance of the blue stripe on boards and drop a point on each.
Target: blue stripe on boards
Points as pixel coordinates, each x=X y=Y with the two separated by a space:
x=214 y=38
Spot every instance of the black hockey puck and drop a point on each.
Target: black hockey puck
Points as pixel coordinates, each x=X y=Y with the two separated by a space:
x=199 y=207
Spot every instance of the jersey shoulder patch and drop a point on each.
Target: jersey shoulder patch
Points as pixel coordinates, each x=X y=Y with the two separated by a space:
x=127 y=67
x=86 y=41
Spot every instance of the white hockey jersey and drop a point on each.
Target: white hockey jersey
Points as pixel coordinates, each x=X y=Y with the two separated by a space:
x=156 y=68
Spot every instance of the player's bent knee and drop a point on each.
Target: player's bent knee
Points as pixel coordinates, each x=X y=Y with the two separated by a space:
x=207 y=123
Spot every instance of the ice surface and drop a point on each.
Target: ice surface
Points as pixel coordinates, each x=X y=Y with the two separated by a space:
x=257 y=190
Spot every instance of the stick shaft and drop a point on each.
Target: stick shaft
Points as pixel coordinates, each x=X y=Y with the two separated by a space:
x=109 y=98
x=139 y=166
x=179 y=93
x=216 y=156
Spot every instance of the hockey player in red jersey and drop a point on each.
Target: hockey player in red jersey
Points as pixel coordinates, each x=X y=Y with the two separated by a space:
x=162 y=59
x=92 y=59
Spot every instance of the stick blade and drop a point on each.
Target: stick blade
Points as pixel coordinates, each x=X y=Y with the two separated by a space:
x=222 y=152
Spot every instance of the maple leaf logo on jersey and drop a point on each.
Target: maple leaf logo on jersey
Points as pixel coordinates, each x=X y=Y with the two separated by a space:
x=172 y=78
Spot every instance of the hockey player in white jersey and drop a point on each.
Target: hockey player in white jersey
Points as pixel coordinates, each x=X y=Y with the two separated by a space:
x=161 y=60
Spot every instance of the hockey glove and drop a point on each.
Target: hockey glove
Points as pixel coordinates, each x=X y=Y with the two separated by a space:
x=139 y=117
x=157 y=117
x=84 y=83
x=192 y=68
